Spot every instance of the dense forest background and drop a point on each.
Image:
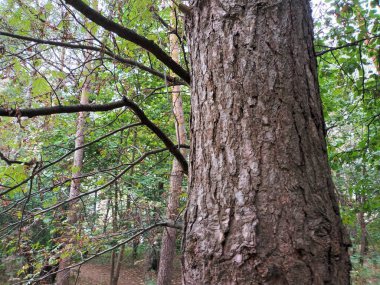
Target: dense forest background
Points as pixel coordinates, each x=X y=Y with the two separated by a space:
x=50 y=55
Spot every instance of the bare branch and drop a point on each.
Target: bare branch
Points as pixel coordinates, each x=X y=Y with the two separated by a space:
x=112 y=181
x=102 y=50
x=98 y=108
x=10 y=162
x=131 y=36
x=44 y=111
x=183 y=8
x=174 y=149
x=346 y=45
x=66 y=155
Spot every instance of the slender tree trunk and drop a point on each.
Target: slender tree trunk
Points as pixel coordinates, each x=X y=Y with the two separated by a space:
x=113 y=257
x=63 y=277
x=262 y=208
x=116 y=262
x=134 y=212
x=79 y=154
x=361 y=199
x=169 y=235
x=168 y=245
x=105 y=219
x=135 y=246
x=115 y=210
x=363 y=237
x=117 y=266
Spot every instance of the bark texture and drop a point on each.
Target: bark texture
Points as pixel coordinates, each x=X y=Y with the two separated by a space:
x=262 y=208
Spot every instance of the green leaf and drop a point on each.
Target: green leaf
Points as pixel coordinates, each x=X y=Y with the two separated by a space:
x=40 y=86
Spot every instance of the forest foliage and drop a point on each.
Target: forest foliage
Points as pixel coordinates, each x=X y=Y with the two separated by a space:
x=125 y=175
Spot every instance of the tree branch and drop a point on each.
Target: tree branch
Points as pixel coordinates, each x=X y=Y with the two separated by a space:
x=183 y=8
x=44 y=111
x=346 y=45
x=156 y=130
x=117 y=177
x=66 y=155
x=101 y=108
x=10 y=162
x=131 y=36
x=123 y=60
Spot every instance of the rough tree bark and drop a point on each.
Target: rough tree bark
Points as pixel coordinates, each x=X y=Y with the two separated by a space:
x=176 y=177
x=262 y=208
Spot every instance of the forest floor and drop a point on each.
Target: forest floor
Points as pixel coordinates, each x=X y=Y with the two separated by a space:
x=99 y=274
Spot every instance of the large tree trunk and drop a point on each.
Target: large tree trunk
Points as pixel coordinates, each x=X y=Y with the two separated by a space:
x=262 y=208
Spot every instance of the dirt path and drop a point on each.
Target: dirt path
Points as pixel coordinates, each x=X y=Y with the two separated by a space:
x=96 y=274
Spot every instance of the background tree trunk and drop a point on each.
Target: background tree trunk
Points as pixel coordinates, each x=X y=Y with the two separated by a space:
x=262 y=208
x=115 y=228
x=117 y=259
x=63 y=276
x=120 y=256
x=363 y=236
x=168 y=245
